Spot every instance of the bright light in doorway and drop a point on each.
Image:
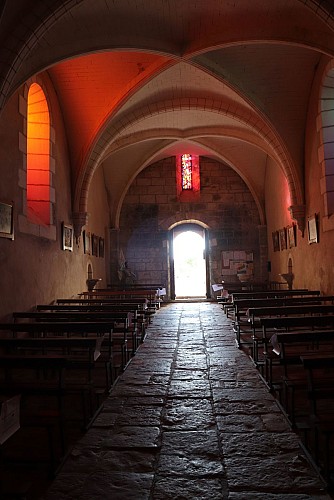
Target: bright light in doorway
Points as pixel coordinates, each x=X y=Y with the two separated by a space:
x=189 y=265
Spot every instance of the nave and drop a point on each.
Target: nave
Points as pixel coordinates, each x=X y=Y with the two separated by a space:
x=189 y=418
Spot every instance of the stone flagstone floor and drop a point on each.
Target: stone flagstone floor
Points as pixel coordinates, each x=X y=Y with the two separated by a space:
x=188 y=419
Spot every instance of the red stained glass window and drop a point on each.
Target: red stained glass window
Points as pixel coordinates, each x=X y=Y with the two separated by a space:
x=186 y=172
x=38 y=156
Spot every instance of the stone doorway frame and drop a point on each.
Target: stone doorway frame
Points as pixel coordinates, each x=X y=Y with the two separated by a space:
x=178 y=228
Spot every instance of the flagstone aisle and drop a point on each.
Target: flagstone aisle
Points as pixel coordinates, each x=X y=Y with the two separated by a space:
x=189 y=419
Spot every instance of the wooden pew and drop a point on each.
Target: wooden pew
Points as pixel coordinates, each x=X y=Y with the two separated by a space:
x=272 y=325
x=120 y=322
x=319 y=387
x=282 y=301
x=273 y=294
x=69 y=347
x=68 y=328
x=287 y=347
x=138 y=319
x=60 y=327
x=42 y=377
x=136 y=286
x=320 y=376
x=82 y=355
x=237 y=298
x=140 y=302
x=286 y=377
x=255 y=314
x=241 y=307
x=150 y=294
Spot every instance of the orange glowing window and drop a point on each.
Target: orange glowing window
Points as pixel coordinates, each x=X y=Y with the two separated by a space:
x=38 y=156
x=186 y=172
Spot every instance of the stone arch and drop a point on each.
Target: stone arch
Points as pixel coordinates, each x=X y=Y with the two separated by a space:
x=258 y=124
x=192 y=136
x=188 y=221
x=43 y=16
x=27 y=225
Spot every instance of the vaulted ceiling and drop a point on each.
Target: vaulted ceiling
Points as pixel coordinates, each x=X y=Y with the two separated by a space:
x=141 y=80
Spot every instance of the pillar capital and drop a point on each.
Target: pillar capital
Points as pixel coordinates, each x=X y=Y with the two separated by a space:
x=79 y=219
x=298 y=214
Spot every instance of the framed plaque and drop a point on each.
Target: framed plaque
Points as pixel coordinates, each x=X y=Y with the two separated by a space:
x=6 y=221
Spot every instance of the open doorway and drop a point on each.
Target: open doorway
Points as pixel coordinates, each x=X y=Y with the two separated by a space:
x=189 y=264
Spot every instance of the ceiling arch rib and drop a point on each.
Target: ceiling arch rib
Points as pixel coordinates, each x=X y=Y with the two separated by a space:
x=232 y=157
x=208 y=143
x=109 y=25
x=194 y=134
x=241 y=115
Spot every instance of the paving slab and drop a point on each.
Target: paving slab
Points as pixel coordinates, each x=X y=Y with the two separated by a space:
x=189 y=419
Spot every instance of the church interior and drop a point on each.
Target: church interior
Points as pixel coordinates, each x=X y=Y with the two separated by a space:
x=125 y=124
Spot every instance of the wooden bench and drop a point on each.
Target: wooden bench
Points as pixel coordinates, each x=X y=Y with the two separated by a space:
x=140 y=302
x=120 y=322
x=286 y=349
x=242 y=306
x=287 y=378
x=152 y=296
x=300 y=292
x=273 y=325
x=42 y=377
x=241 y=302
x=320 y=375
x=68 y=328
x=138 y=318
x=82 y=355
x=274 y=294
x=137 y=286
x=255 y=314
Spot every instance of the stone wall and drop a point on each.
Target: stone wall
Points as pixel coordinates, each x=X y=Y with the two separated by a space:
x=224 y=206
x=34 y=269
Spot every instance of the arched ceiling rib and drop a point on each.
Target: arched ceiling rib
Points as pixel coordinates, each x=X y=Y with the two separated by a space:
x=123 y=69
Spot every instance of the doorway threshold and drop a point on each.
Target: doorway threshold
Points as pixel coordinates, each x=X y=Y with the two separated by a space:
x=191 y=299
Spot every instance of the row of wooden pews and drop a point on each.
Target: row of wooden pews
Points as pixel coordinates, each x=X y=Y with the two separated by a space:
x=152 y=295
x=239 y=304
x=289 y=335
x=58 y=363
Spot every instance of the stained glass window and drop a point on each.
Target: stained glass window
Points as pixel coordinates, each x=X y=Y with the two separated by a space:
x=186 y=172
x=38 y=156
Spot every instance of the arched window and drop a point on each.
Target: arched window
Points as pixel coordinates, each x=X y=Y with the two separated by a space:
x=188 y=177
x=186 y=172
x=38 y=156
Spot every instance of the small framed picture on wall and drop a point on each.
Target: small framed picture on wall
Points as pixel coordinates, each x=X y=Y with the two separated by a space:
x=6 y=221
x=101 y=247
x=282 y=238
x=312 y=229
x=95 y=245
x=275 y=236
x=67 y=237
x=87 y=242
x=291 y=233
